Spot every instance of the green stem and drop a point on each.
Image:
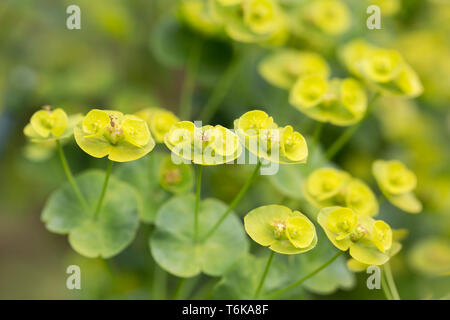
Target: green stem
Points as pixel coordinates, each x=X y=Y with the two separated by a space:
x=70 y=176
x=235 y=201
x=189 y=82
x=289 y=287
x=390 y=281
x=264 y=275
x=105 y=185
x=385 y=287
x=349 y=132
x=220 y=90
x=179 y=288
x=198 y=188
x=159 y=283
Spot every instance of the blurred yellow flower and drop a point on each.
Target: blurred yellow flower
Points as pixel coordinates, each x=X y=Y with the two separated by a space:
x=397 y=184
x=49 y=125
x=159 y=121
x=384 y=68
x=327 y=187
x=284 y=66
x=339 y=101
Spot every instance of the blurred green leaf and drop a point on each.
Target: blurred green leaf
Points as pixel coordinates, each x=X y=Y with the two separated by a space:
x=142 y=174
x=173 y=245
x=117 y=221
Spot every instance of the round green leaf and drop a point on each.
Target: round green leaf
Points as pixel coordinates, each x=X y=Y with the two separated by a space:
x=242 y=279
x=115 y=226
x=142 y=174
x=173 y=245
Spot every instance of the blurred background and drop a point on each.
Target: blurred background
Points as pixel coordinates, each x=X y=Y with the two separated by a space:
x=134 y=54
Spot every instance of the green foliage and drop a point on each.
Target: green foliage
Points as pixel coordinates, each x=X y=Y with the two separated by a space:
x=105 y=235
x=143 y=175
x=173 y=244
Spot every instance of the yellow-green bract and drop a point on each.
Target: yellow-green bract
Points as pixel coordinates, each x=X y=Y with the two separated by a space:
x=110 y=133
x=384 y=68
x=397 y=184
x=259 y=21
x=369 y=241
x=207 y=145
x=49 y=125
x=159 y=121
x=326 y=187
x=281 y=229
x=283 y=67
x=262 y=137
x=339 y=101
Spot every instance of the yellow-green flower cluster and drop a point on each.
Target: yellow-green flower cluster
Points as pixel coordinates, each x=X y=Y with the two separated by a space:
x=384 y=68
x=262 y=137
x=339 y=101
x=207 y=145
x=49 y=125
x=111 y=133
x=327 y=187
x=329 y=16
x=284 y=67
x=369 y=241
x=198 y=15
x=159 y=121
x=281 y=229
x=259 y=21
x=397 y=184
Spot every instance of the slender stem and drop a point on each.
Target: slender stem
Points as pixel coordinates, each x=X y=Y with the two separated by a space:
x=293 y=285
x=105 y=185
x=315 y=139
x=385 y=287
x=235 y=201
x=159 y=283
x=317 y=133
x=198 y=188
x=220 y=90
x=189 y=82
x=349 y=132
x=390 y=281
x=178 y=289
x=264 y=275
x=69 y=175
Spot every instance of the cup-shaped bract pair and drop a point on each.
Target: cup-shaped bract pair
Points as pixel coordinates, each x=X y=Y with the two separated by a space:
x=260 y=21
x=198 y=15
x=397 y=236
x=369 y=241
x=384 y=68
x=207 y=145
x=339 y=101
x=397 y=183
x=281 y=229
x=159 y=121
x=283 y=67
x=49 y=125
x=329 y=16
x=327 y=187
x=263 y=138
x=111 y=133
